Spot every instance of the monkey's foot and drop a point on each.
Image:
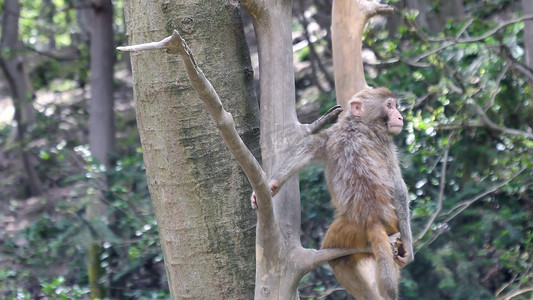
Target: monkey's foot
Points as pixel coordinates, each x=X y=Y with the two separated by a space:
x=395 y=242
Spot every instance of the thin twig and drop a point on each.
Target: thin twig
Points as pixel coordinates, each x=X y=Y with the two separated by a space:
x=465 y=27
x=495 y=91
x=495 y=29
x=314 y=56
x=457 y=209
x=450 y=41
x=460 y=207
x=503 y=287
x=493 y=127
x=163 y=44
x=440 y=197
x=519 y=292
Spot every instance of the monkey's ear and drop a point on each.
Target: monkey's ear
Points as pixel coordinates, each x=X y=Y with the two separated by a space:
x=357 y=107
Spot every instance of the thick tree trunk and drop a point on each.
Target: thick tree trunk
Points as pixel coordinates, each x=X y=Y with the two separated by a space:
x=200 y=195
x=101 y=112
x=527 y=9
x=275 y=279
x=349 y=18
x=281 y=261
x=12 y=63
x=101 y=126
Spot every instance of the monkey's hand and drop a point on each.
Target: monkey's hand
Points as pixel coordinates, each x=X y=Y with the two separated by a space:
x=274 y=187
x=405 y=254
x=253 y=201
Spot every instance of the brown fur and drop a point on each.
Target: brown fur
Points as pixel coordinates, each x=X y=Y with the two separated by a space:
x=361 y=163
x=367 y=191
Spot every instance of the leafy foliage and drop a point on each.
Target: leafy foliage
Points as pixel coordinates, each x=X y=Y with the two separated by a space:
x=43 y=239
x=479 y=246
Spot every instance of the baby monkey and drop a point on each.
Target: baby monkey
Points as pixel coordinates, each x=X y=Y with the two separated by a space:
x=367 y=191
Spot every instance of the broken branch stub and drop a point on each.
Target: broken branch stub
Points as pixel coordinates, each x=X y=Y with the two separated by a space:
x=173 y=44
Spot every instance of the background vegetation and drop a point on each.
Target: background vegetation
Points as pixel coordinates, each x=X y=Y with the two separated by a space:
x=466 y=154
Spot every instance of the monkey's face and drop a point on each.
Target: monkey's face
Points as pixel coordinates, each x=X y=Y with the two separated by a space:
x=394 y=118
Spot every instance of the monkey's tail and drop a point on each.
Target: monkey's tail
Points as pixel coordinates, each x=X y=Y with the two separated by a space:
x=388 y=272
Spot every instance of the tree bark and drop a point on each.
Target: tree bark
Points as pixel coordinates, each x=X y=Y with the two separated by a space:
x=527 y=9
x=101 y=106
x=275 y=278
x=281 y=261
x=12 y=63
x=349 y=18
x=101 y=128
x=199 y=193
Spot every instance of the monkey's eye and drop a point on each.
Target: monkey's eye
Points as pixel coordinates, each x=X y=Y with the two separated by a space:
x=389 y=105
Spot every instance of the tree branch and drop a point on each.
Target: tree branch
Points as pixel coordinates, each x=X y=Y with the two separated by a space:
x=175 y=44
x=440 y=198
x=324 y=120
x=460 y=207
x=516 y=293
x=450 y=41
x=349 y=18
x=373 y=8
x=493 y=127
x=312 y=258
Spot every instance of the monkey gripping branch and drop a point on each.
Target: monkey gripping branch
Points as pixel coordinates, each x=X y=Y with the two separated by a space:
x=174 y=44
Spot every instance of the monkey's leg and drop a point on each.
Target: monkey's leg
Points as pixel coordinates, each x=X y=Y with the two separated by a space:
x=356 y=273
x=358 y=276
x=388 y=272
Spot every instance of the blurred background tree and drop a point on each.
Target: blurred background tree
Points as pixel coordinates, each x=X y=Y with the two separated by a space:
x=462 y=68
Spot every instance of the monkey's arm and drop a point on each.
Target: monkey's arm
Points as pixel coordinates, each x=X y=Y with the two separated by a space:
x=298 y=157
x=401 y=202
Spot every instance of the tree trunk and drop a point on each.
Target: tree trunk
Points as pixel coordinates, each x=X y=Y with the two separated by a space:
x=527 y=9
x=12 y=63
x=101 y=112
x=273 y=27
x=199 y=193
x=281 y=261
x=349 y=18
x=101 y=128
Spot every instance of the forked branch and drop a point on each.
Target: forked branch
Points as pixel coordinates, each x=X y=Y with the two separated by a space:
x=175 y=44
x=224 y=121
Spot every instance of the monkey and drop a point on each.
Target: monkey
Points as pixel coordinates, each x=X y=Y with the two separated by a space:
x=367 y=191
